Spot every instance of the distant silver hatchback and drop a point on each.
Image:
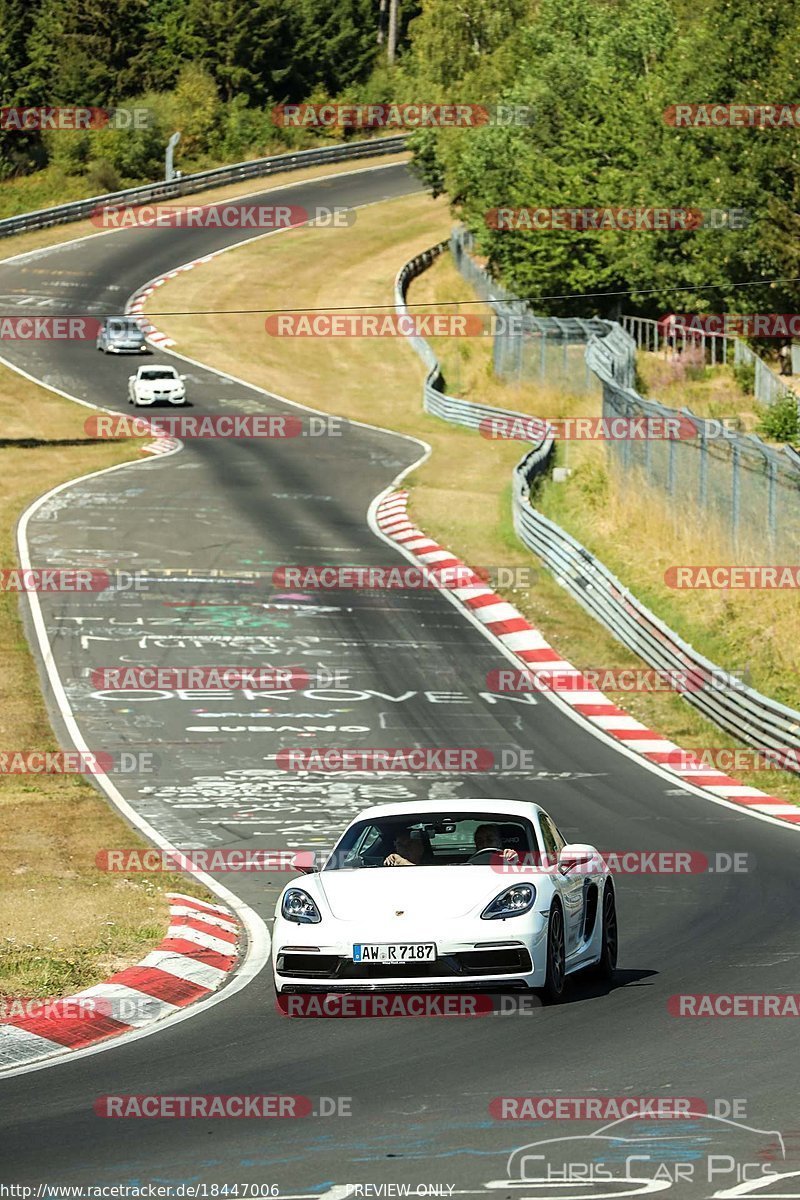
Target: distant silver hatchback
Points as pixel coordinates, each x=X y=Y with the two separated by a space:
x=121 y=335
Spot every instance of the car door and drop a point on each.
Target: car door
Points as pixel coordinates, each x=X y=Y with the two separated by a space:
x=571 y=886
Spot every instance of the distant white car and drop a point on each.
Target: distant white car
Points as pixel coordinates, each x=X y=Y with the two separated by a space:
x=156 y=385
x=494 y=896
x=121 y=335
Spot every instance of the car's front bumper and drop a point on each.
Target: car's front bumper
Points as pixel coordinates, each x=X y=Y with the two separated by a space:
x=474 y=956
x=149 y=401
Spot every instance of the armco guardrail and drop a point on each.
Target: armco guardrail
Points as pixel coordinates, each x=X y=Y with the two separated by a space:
x=189 y=184
x=743 y=712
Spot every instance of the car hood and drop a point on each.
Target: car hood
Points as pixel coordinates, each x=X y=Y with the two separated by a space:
x=426 y=892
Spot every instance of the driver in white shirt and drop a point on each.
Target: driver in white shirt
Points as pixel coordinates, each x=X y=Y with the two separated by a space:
x=487 y=837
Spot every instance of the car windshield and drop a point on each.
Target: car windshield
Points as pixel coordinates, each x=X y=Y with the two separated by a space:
x=128 y=327
x=433 y=839
x=156 y=373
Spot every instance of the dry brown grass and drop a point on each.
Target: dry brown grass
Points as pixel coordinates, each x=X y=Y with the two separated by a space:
x=682 y=382
x=460 y=495
x=63 y=923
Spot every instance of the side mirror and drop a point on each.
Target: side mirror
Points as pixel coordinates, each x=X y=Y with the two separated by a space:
x=182 y=378
x=305 y=861
x=577 y=856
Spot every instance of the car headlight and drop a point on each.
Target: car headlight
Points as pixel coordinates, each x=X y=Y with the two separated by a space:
x=510 y=903
x=298 y=906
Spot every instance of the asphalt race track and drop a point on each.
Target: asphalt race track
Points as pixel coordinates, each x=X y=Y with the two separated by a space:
x=205 y=528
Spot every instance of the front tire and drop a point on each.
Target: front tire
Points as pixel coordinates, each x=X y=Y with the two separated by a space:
x=555 y=977
x=607 y=963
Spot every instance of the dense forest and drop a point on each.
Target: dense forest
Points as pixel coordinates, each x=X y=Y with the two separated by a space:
x=211 y=68
x=597 y=78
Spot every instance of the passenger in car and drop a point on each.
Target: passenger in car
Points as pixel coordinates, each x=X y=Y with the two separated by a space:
x=411 y=849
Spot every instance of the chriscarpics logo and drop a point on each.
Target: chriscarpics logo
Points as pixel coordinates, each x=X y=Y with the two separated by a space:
x=683 y=1154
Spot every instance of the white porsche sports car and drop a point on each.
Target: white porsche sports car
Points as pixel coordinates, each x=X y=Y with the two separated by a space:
x=422 y=896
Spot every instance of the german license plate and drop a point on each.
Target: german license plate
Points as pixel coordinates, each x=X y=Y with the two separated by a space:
x=399 y=952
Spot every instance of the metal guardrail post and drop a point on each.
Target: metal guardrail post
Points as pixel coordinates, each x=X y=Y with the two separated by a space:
x=169 y=157
x=627 y=444
x=735 y=485
x=772 y=505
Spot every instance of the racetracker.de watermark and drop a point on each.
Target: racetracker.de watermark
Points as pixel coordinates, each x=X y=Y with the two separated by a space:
x=400 y=116
x=213 y=425
x=608 y=679
x=152 y=861
x=730 y=1004
x=358 y=578
x=72 y=118
x=57 y=1008
x=48 y=329
x=70 y=579
x=740 y=116
x=231 y=215
x=127 y=1009
x=350 y=1005
x=205 y=1107
x=339 y=324
x=78 y=762
x=748 y=325
x=450 y=760
x=598 y=1108
x=578 y=429
x=616 y=219
x=146 y=678
x=727 y=759
x=733 y=577
x=624 y=862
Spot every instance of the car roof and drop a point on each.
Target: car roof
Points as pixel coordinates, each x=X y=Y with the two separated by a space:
x=509 y=808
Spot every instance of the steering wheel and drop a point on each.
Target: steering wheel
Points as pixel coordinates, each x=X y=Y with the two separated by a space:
x=480 y=855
